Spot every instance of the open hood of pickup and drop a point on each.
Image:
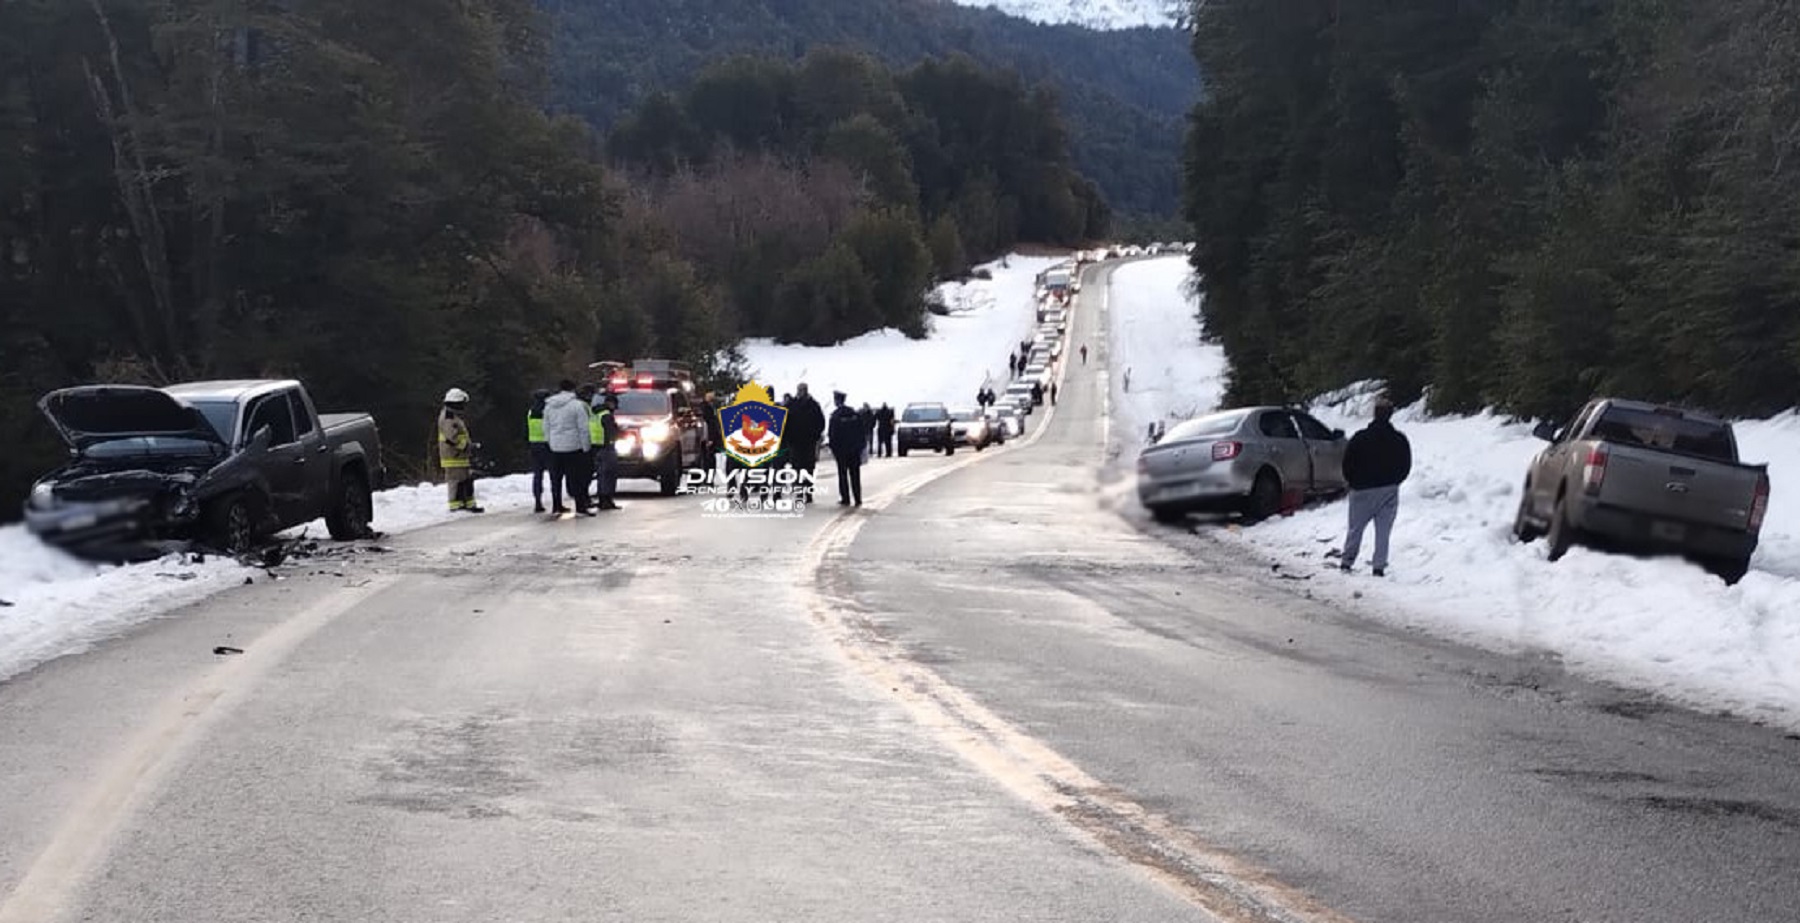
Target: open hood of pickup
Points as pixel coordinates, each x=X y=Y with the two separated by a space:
x=94 y=414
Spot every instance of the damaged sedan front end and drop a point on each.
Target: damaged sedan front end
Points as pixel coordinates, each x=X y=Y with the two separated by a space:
x=142 y=467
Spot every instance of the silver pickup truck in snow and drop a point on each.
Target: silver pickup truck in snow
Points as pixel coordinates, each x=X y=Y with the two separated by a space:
x=217 y=464
x=1649 y=478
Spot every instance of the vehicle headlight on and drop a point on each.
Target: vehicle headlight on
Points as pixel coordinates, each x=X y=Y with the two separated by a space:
x=655 y=432
x=42 y=497
x=651 y=450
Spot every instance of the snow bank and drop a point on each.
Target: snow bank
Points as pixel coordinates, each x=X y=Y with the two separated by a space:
x=1656 y=624
x=60 y=605
x=1102 y=15
x=970 y=346
x=1155 y=331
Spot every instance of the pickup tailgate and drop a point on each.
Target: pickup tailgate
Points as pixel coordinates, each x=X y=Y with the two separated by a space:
x=1679 y=488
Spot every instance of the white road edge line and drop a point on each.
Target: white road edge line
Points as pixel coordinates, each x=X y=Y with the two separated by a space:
x=1219 y=884
x=86 y=834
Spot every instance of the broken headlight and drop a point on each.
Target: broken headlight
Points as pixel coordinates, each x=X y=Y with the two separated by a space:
x=43 y=497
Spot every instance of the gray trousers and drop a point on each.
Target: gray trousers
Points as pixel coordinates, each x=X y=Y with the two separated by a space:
x=606 y=471
x=1378 y=505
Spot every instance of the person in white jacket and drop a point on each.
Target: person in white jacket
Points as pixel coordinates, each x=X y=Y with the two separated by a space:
x=566 y=432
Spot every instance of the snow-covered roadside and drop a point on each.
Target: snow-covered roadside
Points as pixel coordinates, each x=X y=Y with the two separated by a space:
x=53 y=605
x=988 y=319
x=1661 y=625
x=60 y=605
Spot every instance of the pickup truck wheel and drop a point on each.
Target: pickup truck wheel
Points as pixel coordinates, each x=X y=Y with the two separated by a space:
x=1563 y=535
x=1265 y=497
x=902 y=451
x=231 y=525
x=671 y=475
x=1523 y=530
x=1730 y=570
x=1167 y=515
x=350 y=517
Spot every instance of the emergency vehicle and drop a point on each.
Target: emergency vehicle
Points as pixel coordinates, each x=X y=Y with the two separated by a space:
x=662 y=427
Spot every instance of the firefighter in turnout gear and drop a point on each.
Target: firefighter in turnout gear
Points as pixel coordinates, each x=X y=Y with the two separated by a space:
x=456 y=451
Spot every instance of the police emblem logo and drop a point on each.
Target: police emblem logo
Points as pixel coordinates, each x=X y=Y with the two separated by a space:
x=752 y=426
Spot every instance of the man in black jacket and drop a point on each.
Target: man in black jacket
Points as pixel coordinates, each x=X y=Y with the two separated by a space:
x=848 y=443
x=1376 y=462
x=884 y=430
x=801 y=433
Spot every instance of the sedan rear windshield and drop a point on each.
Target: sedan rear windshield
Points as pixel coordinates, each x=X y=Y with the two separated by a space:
x=924 y=415
x=1205 y=428
x=1666 y=433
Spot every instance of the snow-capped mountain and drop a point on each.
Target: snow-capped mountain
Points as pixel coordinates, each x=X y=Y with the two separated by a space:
x=1094 y=14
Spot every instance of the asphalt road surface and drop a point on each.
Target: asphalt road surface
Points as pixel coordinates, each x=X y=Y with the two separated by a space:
x=985 y=696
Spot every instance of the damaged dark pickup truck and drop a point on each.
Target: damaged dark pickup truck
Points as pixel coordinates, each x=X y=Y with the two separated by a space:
x=219 y=465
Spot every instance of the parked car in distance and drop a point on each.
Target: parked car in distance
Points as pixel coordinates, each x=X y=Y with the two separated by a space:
x=971 y=428
x=1018 y=394
x=1008 y=422
x=220 y=464
x=1645 y=477
x=925 y=426
x=1243 y=461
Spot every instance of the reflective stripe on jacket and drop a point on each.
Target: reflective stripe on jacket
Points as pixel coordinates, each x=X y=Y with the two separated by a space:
x=534 y=429
x=453 y=441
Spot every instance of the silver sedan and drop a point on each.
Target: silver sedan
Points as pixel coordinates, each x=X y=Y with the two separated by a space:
x=1249 y=461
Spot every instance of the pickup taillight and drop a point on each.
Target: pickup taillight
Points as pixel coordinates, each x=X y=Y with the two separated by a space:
x=1759 y=504
x=1226 y=451
x=1594 y=473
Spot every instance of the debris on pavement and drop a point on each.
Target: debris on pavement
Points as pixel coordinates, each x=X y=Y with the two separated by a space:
x=222 y=650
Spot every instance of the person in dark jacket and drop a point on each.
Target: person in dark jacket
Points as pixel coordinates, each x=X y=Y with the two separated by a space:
x=801 y=433
x=542 y=459
x=884 y=430
x=866 y=415
x=1377 y=461
x=848 y=443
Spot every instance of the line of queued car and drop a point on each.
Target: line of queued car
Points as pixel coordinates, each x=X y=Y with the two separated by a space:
x=935 y=427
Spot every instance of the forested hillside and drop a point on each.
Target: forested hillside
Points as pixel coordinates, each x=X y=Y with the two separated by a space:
x=1124 y=93
x=370 y=197
x=1516 y=204
x=821 y=197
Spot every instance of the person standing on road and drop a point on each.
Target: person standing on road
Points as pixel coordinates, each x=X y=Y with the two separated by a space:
x=884 y=430
x=571 y=445
x=801 y=433
x=456 y=452
x=606 y=451
x=1053 y=393
x=1377 y=461
x=1084 y=354
x=866 y=415
x=848 y=442
x=541 y=459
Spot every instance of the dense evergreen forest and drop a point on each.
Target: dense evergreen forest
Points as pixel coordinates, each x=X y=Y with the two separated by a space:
x=789 y=183
x=1125 y=93
x=370 y=196
x=1517 y=203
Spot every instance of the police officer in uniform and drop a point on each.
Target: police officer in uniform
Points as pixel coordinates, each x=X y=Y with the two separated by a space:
x=456 y=451
x=542 y=459
x=605 y=431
